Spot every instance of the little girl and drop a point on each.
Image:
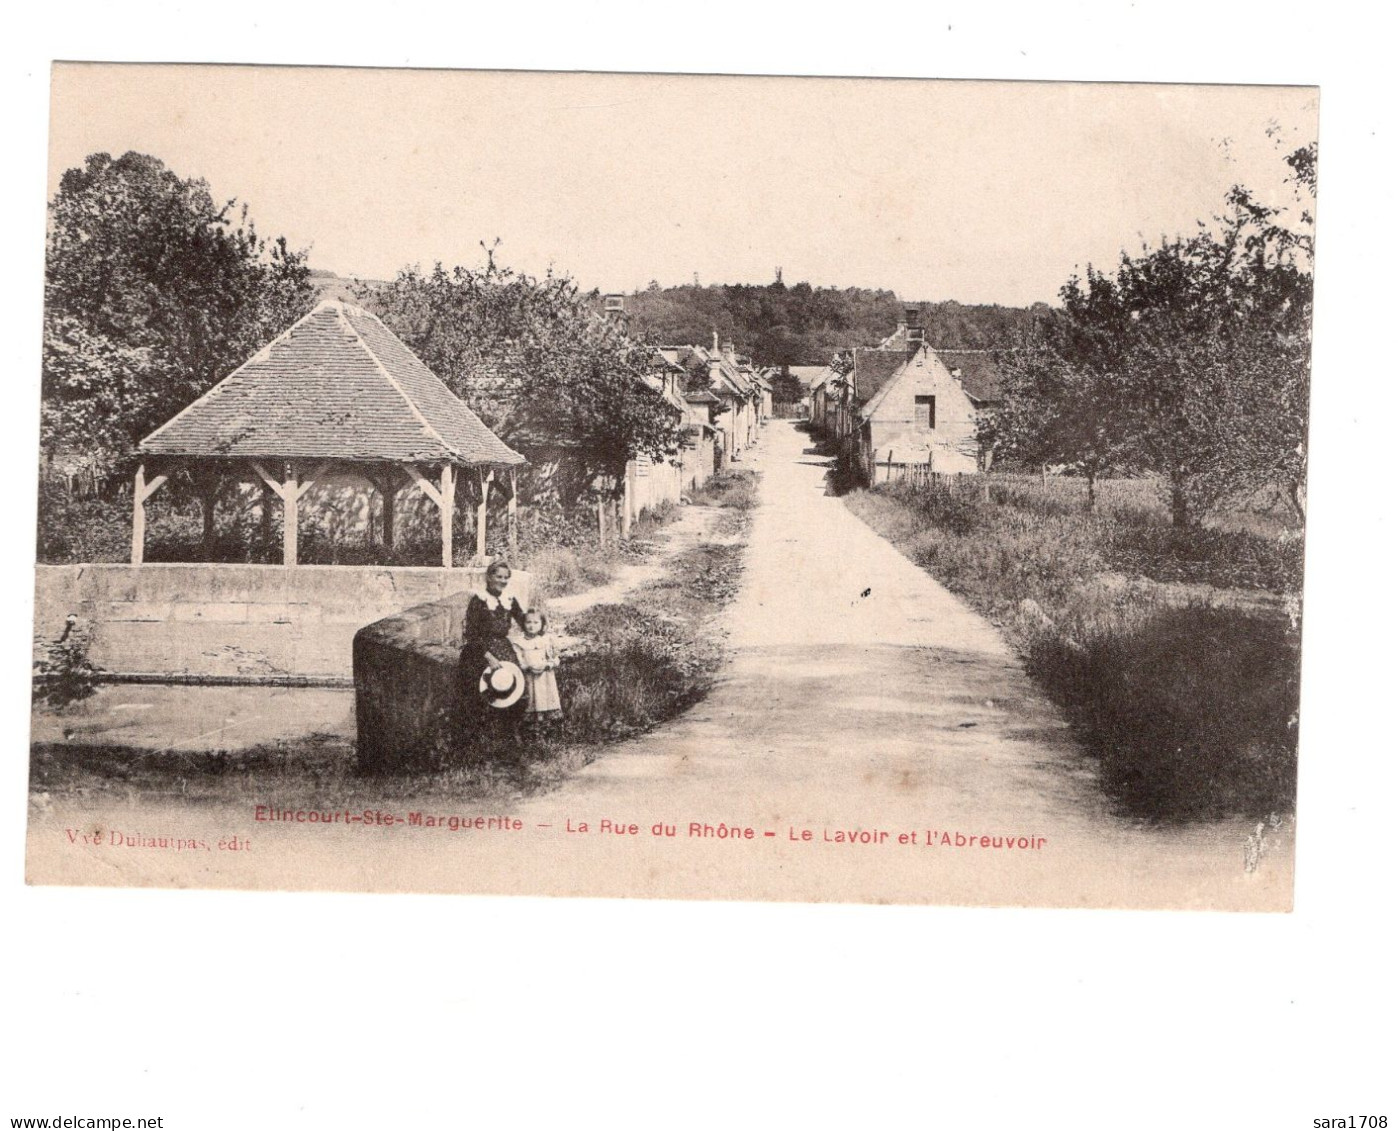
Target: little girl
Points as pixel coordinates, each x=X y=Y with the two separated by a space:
x=539 y=658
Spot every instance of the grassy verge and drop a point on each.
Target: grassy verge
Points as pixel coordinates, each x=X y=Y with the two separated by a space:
x=1189 y=709
x=561 y=568
x=636 y=666
x=736 y=492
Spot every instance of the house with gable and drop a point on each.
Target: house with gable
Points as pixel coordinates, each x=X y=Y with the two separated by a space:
x=703 y=440
x=856 y=376
x=925 y=414
x=903 y=404
x=763 y=379
x=738 y=371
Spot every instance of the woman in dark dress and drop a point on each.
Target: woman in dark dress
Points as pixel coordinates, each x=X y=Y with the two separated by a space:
x=485 y=645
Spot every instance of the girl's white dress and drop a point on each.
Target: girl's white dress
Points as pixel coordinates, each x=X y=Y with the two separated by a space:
x=540 y=686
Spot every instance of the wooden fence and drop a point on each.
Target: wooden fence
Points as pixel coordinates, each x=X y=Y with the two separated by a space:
x=921 y=475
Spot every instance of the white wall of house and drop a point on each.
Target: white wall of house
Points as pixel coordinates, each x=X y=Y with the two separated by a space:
x=925 y=415
x=650 y=483
x=697 y=459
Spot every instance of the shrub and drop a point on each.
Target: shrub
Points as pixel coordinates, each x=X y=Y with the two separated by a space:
x=737 y=489
x=559 y=571
x=946 y=507
x=1191 y=713
x=662 y=514
x=62 y=672
x=1230 y=559
x=635 y=669
x=82 y=529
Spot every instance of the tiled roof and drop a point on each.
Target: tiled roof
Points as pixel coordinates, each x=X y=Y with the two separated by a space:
x=727 y=376
x=918 y=361
x=872 y=370
x=337 y=385
x=664 y=359
x=980 y=370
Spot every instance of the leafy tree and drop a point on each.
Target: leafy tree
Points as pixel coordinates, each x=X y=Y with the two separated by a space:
x=535 y=359
x=1057 y=411
x=1191 y=361
x=1274 y=283
x=786 y=389
x=153 y=292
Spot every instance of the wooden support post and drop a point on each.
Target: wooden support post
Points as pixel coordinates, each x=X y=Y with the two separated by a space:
x=289 y=490
x=601 y=522
x=512 y=514
x=447 y=502
x=444 y=495
x=486 y=478
x=291 y=498
x=138 y=516
x=265 y=514
x=140 y=492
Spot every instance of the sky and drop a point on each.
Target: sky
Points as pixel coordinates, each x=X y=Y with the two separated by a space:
x=974 y=191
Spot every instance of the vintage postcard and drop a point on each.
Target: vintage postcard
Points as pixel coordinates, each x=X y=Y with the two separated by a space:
x=672 y=486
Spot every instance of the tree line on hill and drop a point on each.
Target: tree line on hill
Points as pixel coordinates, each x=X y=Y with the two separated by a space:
x=780 y=325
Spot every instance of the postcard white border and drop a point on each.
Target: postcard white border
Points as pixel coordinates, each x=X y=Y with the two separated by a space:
x=336 y=1010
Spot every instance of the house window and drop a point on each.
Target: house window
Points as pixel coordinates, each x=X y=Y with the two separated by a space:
x=930 y=403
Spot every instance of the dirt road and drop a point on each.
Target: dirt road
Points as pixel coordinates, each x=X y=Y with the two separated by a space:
x=877 y=738
x=864 y=697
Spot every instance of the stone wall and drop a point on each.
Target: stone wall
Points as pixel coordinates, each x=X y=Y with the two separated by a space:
x=234 y=620
x=407 y=684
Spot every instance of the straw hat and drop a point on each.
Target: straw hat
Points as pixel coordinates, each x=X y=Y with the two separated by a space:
x=503 y=686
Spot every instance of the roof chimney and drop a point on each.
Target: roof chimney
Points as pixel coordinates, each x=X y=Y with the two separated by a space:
x=913 y=316
x=728 y=350
x=614 y=306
